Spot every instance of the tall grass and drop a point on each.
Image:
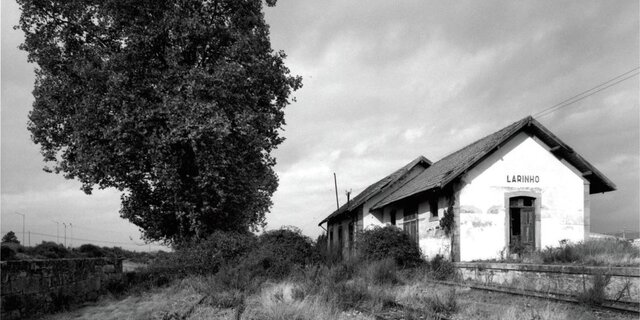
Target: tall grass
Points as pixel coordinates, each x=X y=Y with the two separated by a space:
x=592 y=252
x=595 y=252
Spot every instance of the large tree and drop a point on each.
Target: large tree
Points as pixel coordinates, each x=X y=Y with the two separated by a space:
x=176 y=103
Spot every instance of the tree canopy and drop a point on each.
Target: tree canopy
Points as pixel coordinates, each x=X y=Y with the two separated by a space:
x=176 y=103
x=10 y=237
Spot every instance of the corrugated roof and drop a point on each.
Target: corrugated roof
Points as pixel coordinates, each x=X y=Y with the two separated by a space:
x=450 y=167
x=379 y=186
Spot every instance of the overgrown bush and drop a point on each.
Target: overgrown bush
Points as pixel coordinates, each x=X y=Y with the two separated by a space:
x=441 y=268
x=91 y=251
x=50 y=250
x=323 y=253
x=279 y=252
x=379 y=243
x=205 y=256
x=8 y=252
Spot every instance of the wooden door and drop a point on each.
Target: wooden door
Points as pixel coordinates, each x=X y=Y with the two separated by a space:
x=527 y=227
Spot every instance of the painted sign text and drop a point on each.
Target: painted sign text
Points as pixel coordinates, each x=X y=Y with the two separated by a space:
x=523 y=178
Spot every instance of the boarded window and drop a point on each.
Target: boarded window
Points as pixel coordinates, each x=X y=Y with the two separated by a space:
x=410 y=224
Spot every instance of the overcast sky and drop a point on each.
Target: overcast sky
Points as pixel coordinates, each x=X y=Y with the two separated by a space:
x=383 y=83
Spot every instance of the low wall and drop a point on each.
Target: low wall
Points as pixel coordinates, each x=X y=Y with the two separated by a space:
x=31 y=287
x=624 y=283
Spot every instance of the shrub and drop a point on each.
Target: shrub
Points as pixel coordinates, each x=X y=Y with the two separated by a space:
x=279 y=252
x=204 y=256
x=50 y=250
x=441 y=268
x=379 y=243
x=91 y=251
x=323 y=253
x=7 y=252
x=10 y=237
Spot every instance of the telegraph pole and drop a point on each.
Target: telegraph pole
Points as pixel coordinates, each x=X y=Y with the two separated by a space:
x=65 y=234
x=23 y=216
x=57 y=231
x=335 y=182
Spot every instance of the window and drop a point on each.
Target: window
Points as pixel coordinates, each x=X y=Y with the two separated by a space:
x=433 y=207
x=392 y=217
x=410 y=224
x=340 y=236
x=331 y=237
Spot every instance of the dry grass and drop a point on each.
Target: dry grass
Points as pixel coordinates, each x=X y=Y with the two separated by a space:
x=154 y=304
x=283 y=301
x=323 y=294
x=593 y=252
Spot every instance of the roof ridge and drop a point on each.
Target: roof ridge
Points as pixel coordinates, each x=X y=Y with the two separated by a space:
x=515 y=126
x=528 y=118
x=445 y=170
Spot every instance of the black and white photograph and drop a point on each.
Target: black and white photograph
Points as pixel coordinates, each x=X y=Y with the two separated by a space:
x=319 y=160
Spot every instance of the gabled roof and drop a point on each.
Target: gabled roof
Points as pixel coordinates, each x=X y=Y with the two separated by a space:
x=374 y=189
x=452 y=166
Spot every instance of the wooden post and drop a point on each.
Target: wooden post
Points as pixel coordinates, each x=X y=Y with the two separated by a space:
x=335 y=182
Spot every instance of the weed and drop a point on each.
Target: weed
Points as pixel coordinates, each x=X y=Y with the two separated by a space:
x=381 y=272
x=441 y=268
x=446 y=305
x=595 y=294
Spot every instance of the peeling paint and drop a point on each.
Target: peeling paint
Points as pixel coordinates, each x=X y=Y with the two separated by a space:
x=481 y=224
x=470 y=209
x=495 y=209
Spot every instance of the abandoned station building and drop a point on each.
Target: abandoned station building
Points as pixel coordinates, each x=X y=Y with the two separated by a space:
x=520 y=186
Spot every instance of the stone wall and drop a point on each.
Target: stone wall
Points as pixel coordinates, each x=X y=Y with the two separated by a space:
x=624 y=283
x=31 y=287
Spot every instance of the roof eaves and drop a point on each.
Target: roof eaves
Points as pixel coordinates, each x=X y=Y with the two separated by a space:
x=347 y=207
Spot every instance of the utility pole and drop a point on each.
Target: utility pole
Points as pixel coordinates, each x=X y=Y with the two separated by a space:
x=335 y=182
x=71 y=238
x=29 y=238
x=65 y=234
x=23 y=216
x=57 y=231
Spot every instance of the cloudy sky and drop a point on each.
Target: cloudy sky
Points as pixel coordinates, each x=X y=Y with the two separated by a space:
x=384 y=83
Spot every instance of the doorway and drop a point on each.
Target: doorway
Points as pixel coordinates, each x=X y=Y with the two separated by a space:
x=522 y=224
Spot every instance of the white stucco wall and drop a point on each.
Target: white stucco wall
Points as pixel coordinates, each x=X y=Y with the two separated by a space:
x=432 y=239
x=483 y=223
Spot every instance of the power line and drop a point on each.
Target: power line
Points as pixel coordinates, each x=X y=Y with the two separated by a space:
x=609 y=83
x=90 y=240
